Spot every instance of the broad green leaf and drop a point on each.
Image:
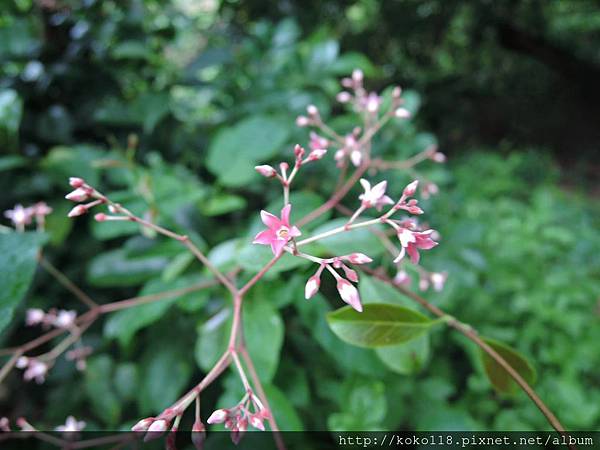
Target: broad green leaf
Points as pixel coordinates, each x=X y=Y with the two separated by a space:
x=165 y=373
x=253 y=257
x=115 y=268
x=373 y=290
x=101 y=390
x=379 y=325
x=18 y=260
x=263 y=331
x=497 y=375
x=235 y=151
x=126 y=380
x=283 y=411
x=363 y=404
x=213 y=337
x=406 y=358
x=124 y=324
x=222 y=204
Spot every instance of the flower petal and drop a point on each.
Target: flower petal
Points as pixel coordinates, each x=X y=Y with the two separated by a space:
x=285 y=214
x=265 y=237
x=270 y=220
x=277 y=245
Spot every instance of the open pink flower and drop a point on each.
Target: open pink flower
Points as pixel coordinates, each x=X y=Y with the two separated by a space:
x=278 y=232
x=412 y=241
x=374 y=196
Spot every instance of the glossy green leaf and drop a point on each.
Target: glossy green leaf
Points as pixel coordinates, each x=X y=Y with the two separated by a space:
x=18 y=260
x=101 y=390
x=498 y=376
x=406 y=358
x=379 y=325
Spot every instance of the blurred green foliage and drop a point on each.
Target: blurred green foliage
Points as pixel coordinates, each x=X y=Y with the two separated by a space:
x=167 y=106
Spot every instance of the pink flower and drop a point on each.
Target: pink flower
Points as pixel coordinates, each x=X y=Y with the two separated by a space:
x=35 y=316
x=374 y=196
x=317 y=142
x=412 y=241
x=438 y=279
x=19 y=216
x=71 y=425
x=279 y=230
x=349 y=294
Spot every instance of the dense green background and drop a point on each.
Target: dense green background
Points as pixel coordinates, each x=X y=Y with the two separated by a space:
x=169 y=105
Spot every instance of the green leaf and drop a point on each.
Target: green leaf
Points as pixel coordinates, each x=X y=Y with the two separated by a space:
x=222 y=203
x=235 y=151
x=101 y=391
x=253 y=257
x=123 y=325
x=283 y=411
x=263 y=330
x=165 y=372
x=64 y=162
x=379 y=325
x=115 y=268
x=406 y=358
x=18 y=253
x=498 y=376
x=213 y=337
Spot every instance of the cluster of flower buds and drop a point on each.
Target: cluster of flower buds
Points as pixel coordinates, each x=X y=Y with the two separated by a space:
x=249 y=411
x=347 y=291
x=22 y=216
x=351 y=148
x=82 y=193
x=312 y=118
x=437 y=280
x=154 y=427
x=53 y=318
x=34 y=369
x=318 y=148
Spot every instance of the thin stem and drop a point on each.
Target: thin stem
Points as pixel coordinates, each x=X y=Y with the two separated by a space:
x=338 y=230
x=259 y=275
x=407 y=163
x=9 y=365
x=240 y=369
x=68 y=284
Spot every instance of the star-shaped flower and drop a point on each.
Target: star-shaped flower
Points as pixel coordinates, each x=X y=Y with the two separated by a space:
x=278 y=232
x=374 y=196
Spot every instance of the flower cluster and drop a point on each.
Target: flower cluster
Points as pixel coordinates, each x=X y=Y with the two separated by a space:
x=347 y=291
x=53 y=318
x=34 y=369
x=22 y=216
x=249 y=411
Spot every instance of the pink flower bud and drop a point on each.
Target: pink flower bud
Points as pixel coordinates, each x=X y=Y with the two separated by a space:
x=312 y=287
x=357 y=75
x=298 y=152
x=257 y=422
x=396 y=92
x=347 y=82
x=35 y=316
x=438 y=157
x=312 y=110
x=266 y=171
x=218 y=416
x=358 y=258
x=284 y=166
x=198 y=435
x=100 y=217
x=402 y=113
x=349 y=294
x=438 y=280
x=155 y=429
x=78 y=195
x=243 y=425
x=316 y=154
x=302 y=121
x=423 y=284
x=343 y=97
x=410 y=190
x=402 y=278
x=77 y=211
x=356 y=157
x=76 y=182
x=350 y=274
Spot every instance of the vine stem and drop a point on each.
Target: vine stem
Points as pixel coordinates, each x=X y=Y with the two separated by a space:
x=472 y=335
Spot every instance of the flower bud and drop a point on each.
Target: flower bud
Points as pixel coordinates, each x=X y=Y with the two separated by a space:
x=343 y=97
x=358 y=258
x=349 y=294
x=266 y=171
x=396 y=92
x=357 y=75
x=312 y=110
x=257 y=422
x=410 y=189
x=77 y=211
x=402 y=113
x=402 y=278
x=78 y=195
x=347 y=82
x=302 y=121
x=76 y=182
x=438 y=157
x=218 y=416
x=316 y=154
x=156 y=428
x=100 y=217
x=198 y=435
x=356 y=157
x=34 y=316
x=299 y=152
x=312 y=286
x=350 y=274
